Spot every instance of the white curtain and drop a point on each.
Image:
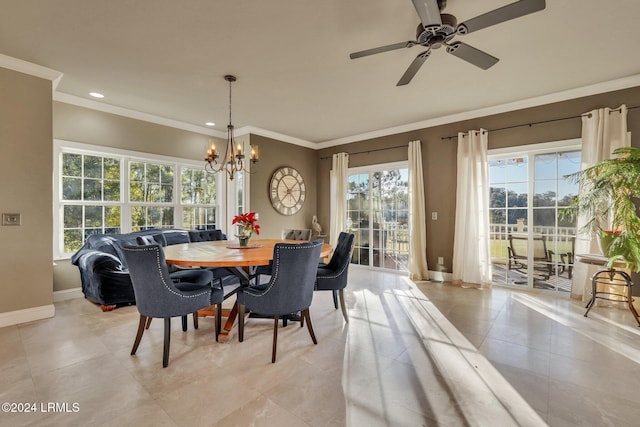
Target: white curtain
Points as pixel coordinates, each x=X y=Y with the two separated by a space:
x=338 y=178
x=603 y=130
x=471 y=250
x=418 y=269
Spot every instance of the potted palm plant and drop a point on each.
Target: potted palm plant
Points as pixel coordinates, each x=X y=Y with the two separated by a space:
x=609 y=191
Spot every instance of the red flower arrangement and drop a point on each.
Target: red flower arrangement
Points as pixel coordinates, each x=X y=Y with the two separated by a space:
x=247 y=224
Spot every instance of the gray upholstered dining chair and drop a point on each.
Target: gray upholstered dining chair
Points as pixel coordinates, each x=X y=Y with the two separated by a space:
x=220 y=274
x=195 y=276
x=287 y=234
x=157 y=296
x=333 y=276
x=289 y=290
x=296 y=234
x=185 y=279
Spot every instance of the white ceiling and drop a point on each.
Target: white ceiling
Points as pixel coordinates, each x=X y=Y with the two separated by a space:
x=167 y=58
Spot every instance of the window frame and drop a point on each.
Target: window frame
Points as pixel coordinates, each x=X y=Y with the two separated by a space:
x=530 y=151
x=125 y=157
x=185 y=205
x=369 y=170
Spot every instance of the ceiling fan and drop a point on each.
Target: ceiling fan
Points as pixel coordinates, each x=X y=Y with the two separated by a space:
x=438 y=29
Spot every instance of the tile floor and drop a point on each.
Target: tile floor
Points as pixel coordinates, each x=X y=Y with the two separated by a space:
x=411 y=355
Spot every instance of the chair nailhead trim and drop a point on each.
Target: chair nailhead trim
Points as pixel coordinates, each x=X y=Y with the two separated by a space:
x=341 y=271
x=157 y=250
x=276 y=265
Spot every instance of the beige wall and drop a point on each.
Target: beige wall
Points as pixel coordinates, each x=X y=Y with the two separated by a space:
x=26 y=174
x=439 y=155
x=78 y=124
x=275 y=154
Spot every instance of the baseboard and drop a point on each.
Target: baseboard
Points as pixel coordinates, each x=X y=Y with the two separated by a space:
x=67 y=294
x=26 y=315
x=440 y=276
x=434 y=276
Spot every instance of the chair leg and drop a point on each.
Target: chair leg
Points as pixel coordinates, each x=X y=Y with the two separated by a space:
x=141 y=327
x=240 y=322
x=218 y=320
x=335 y=298
x=275 y=339
x=167 y=341
x=195 y=320
x=631 y=307
x=343 y=306
x=284 y=321
x=148 y=322
x=184 y=323
x=305 y=314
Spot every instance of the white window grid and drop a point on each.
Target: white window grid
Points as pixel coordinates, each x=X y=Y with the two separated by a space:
x=125 y=157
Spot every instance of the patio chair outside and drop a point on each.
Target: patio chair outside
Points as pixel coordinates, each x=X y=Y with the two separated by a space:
x=518 y=250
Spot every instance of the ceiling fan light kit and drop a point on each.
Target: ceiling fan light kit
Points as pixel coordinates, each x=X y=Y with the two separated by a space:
x=437 y=29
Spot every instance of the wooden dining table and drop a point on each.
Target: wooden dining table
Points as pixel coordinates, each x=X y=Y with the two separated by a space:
x=240 y=260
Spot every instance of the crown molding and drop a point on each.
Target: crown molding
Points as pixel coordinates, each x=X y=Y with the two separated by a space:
x=56 y=76
x=132 y=114
x=275 y=135
x=31 y=69
x=608 y=86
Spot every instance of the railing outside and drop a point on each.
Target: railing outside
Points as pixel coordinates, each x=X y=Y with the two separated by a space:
x=391 y=240
x=559 y=239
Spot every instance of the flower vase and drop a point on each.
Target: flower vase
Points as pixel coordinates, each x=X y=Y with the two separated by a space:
x=244 y=241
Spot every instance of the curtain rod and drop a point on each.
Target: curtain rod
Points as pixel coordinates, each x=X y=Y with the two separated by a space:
x=369 y=151
x=543 y=122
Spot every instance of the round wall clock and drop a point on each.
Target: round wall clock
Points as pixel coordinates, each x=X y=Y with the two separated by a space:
x=287 y=190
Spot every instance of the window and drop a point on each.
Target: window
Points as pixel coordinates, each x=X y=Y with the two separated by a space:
x=198 y=199
x=151 y=195
x=239 y=193
x=532 y=246
x=378 y=215
x=119 y=191
x=90 y=197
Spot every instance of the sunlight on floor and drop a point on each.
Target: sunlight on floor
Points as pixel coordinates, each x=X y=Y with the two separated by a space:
x=450 y=380
x=622 y=339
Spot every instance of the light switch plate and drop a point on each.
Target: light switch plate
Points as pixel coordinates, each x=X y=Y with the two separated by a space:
x=10 y=219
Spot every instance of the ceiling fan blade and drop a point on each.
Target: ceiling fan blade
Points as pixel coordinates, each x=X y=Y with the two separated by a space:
x=413 y=68
x=502 y=14
x=381 y=49
x=472 y=55
x=429 y=12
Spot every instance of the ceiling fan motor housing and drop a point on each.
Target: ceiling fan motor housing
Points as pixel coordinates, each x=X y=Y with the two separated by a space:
x=435 y=36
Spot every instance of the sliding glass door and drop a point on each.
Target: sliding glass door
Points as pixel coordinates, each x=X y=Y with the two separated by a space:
x=378 y=215
x=532 y=246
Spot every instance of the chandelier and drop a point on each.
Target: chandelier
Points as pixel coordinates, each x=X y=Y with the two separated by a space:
x=233 y=160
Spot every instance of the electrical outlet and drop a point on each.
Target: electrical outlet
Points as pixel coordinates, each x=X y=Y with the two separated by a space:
x=440 y=260
x=434 y=216
x=10 y=219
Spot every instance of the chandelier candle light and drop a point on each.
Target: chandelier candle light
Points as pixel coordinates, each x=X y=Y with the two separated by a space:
x=233 y=160
x=247 y=225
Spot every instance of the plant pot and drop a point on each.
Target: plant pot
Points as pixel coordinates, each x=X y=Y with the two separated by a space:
x=243 y=241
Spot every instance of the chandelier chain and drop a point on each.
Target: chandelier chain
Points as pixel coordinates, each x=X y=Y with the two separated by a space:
x=232 y=161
